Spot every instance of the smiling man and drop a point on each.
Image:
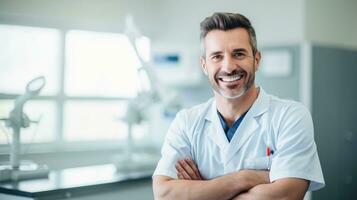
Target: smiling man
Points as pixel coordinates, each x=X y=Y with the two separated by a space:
x=243 y=143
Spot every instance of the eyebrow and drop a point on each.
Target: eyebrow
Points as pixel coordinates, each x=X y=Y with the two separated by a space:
x=215 y=53
x=234 y=51
x=240 y=50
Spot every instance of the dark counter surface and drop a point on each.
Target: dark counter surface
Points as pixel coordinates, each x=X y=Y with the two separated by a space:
x=67 y=181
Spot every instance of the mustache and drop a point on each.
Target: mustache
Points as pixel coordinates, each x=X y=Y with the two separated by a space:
x=234 y=72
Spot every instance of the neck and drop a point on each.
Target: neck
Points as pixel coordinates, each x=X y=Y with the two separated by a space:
x=232 y=109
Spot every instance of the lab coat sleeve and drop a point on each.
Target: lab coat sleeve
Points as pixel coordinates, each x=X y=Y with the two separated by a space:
x=176 y=146
x=296 y=153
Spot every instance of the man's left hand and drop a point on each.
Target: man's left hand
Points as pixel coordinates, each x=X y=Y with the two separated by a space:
x=187 y=170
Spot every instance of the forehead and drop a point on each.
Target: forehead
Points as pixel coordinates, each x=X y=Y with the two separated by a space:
x=219 y=40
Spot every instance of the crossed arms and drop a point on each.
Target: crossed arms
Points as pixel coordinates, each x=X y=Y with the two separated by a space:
x=241 y=185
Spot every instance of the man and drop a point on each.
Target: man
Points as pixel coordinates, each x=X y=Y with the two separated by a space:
x=243 y=143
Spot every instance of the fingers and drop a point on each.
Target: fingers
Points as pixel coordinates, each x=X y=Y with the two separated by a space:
x=193 y=166
x=187 y=169
x=181 y=172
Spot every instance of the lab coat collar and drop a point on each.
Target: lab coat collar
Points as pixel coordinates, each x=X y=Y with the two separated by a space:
x=260 y=106
x=248 y=126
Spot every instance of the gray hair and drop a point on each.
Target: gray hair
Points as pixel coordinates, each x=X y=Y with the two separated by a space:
x=227 y=21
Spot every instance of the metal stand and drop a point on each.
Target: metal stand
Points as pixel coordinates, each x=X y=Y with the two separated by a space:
x=138 y=107
x=131 y=161
x=16 y=169
x=26 y=170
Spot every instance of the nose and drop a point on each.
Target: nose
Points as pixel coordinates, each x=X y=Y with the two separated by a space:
x=228 y=64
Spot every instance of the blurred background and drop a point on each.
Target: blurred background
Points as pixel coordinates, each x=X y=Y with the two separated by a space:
x=83 y=49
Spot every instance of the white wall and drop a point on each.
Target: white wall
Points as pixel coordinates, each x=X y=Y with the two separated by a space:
x=276 y=22
x=331 y=22
x=92 y=14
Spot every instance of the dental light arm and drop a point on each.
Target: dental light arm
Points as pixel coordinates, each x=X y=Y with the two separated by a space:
x=18 y=119
x=33 y=88
x=150 y=93
x=157 y=92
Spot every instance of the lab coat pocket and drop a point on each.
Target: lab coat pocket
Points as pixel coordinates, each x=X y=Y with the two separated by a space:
x=257 y=163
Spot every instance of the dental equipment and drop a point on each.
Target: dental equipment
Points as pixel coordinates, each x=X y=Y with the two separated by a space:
x=17 y=169
x=135 y=114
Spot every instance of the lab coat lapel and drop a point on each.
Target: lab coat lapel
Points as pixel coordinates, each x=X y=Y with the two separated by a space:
x=249 y=125
x=246 y=129
x=216 y=132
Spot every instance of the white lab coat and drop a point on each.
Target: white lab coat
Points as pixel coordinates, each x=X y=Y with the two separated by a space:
x=282 y=125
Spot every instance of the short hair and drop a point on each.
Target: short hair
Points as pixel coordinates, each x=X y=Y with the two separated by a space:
x=227 y=21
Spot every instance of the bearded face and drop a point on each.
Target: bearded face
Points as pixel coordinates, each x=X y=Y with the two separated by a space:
x=229 y=62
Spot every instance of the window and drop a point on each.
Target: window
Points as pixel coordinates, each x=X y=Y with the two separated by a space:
x=100 y=64
x=91 y=120
x=89 y=78
x=26 y=52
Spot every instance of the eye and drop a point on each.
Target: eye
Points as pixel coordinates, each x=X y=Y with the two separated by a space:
x=239 y=55
x=216 y=57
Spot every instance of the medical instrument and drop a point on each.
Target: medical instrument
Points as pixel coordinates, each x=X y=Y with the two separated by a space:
x=138 y=107
x=17 y=169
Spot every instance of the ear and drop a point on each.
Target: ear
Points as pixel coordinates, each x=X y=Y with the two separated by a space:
x=257 y=59
x=203 y=65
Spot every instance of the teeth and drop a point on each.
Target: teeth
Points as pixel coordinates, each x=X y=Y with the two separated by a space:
x=231 y=78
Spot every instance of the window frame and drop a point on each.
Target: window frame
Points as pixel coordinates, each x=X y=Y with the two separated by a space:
x=59 y=144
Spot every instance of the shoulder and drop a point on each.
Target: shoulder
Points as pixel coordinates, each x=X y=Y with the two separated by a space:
x=287 y=108
x=291 y=118
x=190 y=119
x=289 y=114
x=197 y=111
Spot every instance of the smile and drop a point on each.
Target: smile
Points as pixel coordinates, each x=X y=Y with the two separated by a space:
x=231 y=78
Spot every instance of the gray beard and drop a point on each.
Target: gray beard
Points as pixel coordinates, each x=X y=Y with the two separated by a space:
x=243 y=91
